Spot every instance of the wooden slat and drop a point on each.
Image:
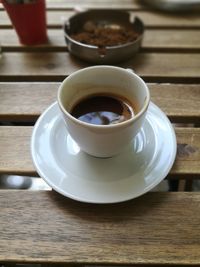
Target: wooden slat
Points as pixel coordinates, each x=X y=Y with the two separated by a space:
x=56 y=66
x=170 y=40
x=15 y=152
x=31 y=66
x=151 y=19
x=26 y=101
x=157 y=228
x=71 y=4
x=154 y=40
x=180 y=102
x=127 y=4
x=188 y=152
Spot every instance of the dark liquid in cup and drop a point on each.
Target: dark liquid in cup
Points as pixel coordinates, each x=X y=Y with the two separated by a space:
x=103 y=110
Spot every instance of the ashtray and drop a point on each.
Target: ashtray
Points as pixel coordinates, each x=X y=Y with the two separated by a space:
x=103 y=36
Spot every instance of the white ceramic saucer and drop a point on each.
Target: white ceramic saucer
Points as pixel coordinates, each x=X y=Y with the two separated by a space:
x=73 y=173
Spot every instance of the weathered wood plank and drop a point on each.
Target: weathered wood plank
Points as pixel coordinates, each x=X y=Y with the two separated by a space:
x=26 y=101
x=188 y=152
x=170 y=40
x=180 y=102
x=15 y=152
x=151 y=19
x=127 y=4
x=71 y=4
x=162 y=67
x=127 y=233
x=154 y=40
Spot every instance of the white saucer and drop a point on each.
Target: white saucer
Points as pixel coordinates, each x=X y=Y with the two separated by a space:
x=144 y=164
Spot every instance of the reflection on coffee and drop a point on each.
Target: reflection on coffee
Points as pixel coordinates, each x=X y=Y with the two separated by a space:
x=103 y=110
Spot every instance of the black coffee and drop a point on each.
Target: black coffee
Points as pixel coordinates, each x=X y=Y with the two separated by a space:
x=103 y=110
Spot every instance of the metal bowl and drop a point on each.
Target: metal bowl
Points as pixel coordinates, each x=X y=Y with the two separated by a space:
x=109 y=54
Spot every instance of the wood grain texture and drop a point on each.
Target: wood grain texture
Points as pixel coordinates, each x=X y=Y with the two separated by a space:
x=188 y=152
x=26 y=101
x=153 y=67
x=180 y=102
x=157 y=228
x=151 y=19
x=71 y=4
x=154 y=40
x=170 y=40
x=15 y=155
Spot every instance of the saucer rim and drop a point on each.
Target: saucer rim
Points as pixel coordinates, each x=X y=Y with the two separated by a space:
x=71 y=196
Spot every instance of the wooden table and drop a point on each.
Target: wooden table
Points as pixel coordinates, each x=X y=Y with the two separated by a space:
x=159 y=228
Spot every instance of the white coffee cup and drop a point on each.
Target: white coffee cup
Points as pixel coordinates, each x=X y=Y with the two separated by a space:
x=103 y=140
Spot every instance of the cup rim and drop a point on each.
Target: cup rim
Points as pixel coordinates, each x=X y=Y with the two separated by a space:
x=86 y=124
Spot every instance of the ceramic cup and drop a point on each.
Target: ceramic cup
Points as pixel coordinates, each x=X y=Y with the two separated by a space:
x=103 y=140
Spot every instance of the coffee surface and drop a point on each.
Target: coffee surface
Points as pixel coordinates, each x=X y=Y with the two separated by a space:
x=103 y=110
